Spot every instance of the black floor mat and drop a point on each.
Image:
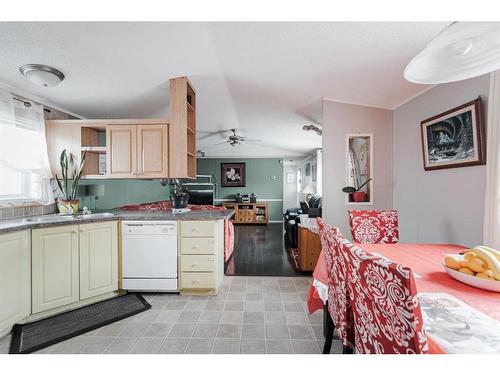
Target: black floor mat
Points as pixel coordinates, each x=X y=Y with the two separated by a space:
x=30 y=337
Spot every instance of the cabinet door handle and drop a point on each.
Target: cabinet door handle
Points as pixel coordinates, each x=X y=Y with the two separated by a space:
x=74 y=231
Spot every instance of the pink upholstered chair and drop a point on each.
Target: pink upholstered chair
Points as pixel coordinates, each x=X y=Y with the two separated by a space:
x=385 y=307
x=338 y=300
x=374 y=226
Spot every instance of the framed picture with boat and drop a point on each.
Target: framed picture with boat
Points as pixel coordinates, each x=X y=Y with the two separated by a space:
x=455 y=138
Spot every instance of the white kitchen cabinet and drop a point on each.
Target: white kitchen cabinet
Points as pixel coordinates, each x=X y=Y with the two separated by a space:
x=202 y=256
x=15 y=270
x=55 y=268
x=98 y=258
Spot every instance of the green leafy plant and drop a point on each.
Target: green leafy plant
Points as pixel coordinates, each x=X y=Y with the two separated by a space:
x=352 y=189
x=69 y=166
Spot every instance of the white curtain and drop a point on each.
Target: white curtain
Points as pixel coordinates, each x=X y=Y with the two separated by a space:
x=492 y=200
x=24 y=165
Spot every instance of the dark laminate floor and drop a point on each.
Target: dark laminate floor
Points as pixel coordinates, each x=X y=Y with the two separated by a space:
x=259 y=251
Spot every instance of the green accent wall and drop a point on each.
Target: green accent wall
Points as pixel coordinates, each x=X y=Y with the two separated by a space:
x=258 y=180
x=123 y=191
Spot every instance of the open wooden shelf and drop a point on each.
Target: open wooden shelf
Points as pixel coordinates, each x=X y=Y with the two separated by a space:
x=183 y=128
x=96 y=149
x=191 y=164
x=93 y=142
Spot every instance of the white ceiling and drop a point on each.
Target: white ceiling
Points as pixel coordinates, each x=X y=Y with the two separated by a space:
x=266 y=79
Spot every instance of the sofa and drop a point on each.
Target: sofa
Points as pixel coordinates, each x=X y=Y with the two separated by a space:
x=311 y=207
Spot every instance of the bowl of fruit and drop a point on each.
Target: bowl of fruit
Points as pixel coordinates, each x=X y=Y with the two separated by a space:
x=478 y=267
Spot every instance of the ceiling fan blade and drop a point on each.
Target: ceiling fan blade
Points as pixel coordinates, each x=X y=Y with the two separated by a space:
x=206 y=135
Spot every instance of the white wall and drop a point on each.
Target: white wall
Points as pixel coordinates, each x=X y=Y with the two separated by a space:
x=289 y=189
x=440 y=206
x=340 y=119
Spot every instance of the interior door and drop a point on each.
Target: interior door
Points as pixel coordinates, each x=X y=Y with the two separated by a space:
x=122 y=150
x=152 y=155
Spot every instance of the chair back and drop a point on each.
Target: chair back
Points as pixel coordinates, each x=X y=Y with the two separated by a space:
x=374 y=226
x=304 y=207
x=338 y=300
x=386 y=311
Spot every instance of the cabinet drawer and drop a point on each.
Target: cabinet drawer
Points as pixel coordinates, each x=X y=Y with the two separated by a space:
x=197 y=228
x=197 y=245
x=197 y=263
x=197 y=280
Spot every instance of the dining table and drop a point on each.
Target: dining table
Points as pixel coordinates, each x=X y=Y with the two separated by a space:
x=458 y=318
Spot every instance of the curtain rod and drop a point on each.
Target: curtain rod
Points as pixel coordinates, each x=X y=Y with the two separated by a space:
x=28 y=104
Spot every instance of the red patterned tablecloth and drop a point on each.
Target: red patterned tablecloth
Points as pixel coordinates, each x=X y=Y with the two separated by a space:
x=426 y=261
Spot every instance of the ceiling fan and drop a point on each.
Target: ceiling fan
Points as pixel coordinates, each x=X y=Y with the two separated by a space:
x=236 y=139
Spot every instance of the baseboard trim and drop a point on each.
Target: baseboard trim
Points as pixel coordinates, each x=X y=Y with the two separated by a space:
x=275 y=221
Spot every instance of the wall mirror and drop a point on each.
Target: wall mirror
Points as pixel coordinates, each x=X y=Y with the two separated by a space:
x=359 y=169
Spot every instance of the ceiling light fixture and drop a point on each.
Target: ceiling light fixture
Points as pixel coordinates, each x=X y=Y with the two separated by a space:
x=462 y=50
x=42 y=75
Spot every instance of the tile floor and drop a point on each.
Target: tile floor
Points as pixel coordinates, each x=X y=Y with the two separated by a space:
x=249 y=315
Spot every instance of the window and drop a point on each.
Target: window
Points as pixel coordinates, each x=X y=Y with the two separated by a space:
x=24 y=167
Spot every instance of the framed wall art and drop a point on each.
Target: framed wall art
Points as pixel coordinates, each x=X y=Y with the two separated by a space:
x=232 y=175
x=455 y=138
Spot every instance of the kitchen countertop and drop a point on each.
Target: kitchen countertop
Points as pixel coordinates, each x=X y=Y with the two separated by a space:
x=45 y=221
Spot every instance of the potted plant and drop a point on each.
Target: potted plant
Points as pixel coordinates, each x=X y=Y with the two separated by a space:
x=357 y=194
x=69 y=186
x=178 y=195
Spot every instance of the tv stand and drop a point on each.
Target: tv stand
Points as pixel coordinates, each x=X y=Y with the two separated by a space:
x=249 y=213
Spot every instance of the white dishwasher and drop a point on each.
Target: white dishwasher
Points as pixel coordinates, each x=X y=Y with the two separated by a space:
x=149 y=256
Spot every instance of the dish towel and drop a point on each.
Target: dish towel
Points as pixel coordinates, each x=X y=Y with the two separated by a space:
x=228 y=239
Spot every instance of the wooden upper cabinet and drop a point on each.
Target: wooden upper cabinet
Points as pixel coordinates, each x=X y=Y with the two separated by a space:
x=182 y=128
x=132 y=148
x=152 y=151
x=122 y=150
